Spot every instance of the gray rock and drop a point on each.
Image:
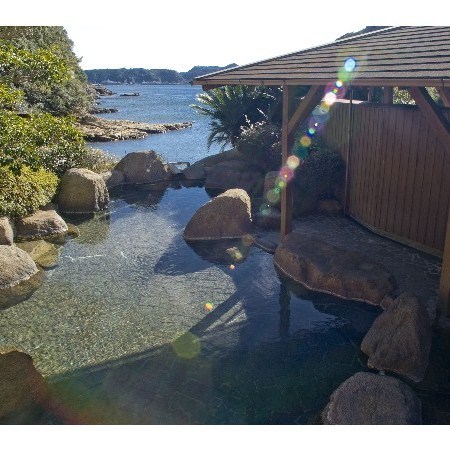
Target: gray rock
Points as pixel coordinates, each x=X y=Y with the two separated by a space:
x=322 y=267
x=113 y=178
x=82 y=191
x=235 y=174
x=6 y=231
x=224 y=217
x=370 y=399
x=22 y=387
x=40 y=224
x=400 y=339
x=143 y=167
x=15 y=266
x=194 y=172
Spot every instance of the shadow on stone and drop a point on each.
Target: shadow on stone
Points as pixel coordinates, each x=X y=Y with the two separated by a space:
x=21 y=292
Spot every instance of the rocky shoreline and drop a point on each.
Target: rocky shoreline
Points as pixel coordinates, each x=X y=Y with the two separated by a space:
x=95 y=129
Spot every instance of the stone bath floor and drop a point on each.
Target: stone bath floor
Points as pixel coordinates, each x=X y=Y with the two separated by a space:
x=415 y=272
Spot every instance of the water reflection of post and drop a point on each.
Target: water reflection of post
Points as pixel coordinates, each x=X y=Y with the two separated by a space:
x=285 y=312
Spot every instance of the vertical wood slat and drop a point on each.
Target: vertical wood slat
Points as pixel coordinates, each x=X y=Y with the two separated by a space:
x=398 y=172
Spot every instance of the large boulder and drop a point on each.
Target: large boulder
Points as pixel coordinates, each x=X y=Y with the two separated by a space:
x=226 y=216
x=6 y=231
x=322 y=267
x=40 y=224
x=22 y=387
x=15 y=266
x=235 y=174
x=400 y=339
x=143 y=167
x=82 y=191
x=112 y=178
x=370 y=399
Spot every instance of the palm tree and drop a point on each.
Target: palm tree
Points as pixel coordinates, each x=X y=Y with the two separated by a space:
x=232 y=107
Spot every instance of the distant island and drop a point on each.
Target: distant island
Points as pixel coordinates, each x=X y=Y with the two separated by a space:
x=149 y=76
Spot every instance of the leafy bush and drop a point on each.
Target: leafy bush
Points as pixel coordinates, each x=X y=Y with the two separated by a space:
x=22 y=194
x=317 y=176
x=39 y=141
x=98 y=160
x=261 y=141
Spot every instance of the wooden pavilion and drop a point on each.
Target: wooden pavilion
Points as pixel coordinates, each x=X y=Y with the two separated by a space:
x=397 y=156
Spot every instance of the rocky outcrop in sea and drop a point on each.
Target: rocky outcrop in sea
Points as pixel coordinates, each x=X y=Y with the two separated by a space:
x=95 y=129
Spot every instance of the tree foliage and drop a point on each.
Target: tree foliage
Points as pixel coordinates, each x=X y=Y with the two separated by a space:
x=40 y=62
x=233 y=107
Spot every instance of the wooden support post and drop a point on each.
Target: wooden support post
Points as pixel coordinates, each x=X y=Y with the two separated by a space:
x=388 y=95
x=440 y=124
x=289 y=125
x=445 y=96
x=286 y=194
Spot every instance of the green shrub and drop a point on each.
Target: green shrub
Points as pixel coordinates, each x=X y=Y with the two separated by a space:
x=39 y=141
x=317 y=177
x=97 y=160
x=261 y=142
x=22 y=194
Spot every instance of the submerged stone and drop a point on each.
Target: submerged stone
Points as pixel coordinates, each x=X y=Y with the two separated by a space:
x=370 y=399
x=43 y=253
x=400 y=339
x=227 y=216
x=322 y=267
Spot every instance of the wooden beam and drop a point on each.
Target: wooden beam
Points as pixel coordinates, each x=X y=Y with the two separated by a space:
x=356 y=82
x=309 y=102
x=445 y=96
x=433 y=114
x=286 y=194
x=388 y=95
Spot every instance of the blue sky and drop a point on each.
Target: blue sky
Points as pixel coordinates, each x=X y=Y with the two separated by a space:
x=178 y=34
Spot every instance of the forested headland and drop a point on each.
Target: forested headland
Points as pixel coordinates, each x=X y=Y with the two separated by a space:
x=149 y=76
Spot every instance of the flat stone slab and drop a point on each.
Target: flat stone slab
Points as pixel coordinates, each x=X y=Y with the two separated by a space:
x=227 y=216
x=322 y=267
x=370 y=399
x=41 y=224
x=16 y=266
x=400 y=339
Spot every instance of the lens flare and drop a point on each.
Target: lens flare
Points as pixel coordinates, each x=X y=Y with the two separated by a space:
x=349 y=64
x=273 y=196
x=286 y=173
x=293 y=162
x=232 y=267
x=330 y=98
x=339 y=83
x=247 y=239
x=187 y=346
x=305 y=141
x=209 y=307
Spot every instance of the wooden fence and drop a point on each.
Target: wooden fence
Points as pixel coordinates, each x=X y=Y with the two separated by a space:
x=398 y=171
